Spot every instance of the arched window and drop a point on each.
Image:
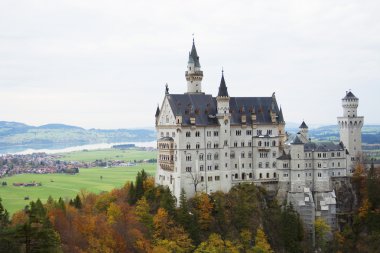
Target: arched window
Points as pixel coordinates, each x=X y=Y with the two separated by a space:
x=188 y=157
x=201 y=157
x=216 y=156
x=209 y=156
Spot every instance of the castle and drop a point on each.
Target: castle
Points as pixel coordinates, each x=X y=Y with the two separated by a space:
x=210 y=144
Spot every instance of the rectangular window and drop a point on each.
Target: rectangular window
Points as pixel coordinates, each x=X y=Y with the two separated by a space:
x=217 y=178
x=209 y=178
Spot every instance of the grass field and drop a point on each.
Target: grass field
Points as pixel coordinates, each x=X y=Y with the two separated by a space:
x=67 y=186
x=108 y=154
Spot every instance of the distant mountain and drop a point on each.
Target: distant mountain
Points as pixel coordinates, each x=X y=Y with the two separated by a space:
x=14 y=134
x=370 y=133
x=59 y=126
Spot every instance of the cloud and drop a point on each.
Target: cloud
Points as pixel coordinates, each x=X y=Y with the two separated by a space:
x=105 y=63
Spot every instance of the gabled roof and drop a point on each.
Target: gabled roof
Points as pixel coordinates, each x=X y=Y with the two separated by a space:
x=323 y=146
x=193 y=56
x=350 y=95
x=303 y=125
x=222 y=88
x=297 y=141
x=204 y=108
x=284 y=156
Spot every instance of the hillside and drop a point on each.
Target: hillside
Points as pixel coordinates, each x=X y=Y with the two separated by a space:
x=370 y=133
x=14 y=134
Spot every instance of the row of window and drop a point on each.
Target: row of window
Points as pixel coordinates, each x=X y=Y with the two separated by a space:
x=309 y=165
x=209 y=178
x=166 y=157
x=319 y=174
x=165 y=145
x=242 y=144
x=267 y=165
x=167 y=134
x=237 y=133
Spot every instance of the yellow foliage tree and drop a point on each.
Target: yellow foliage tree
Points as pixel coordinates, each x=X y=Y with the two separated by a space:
x=142 y=212
x=204 y=207
x=113 y=213
x=261 y=243
x=321 y=230
x=169 y=236
x=215 y=244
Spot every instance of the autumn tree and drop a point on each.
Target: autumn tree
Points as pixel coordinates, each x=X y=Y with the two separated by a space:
x=261 y=243
x=204 y=209
x=142 y=211
x=215 y=244
x=168 y=235
x=321 y=233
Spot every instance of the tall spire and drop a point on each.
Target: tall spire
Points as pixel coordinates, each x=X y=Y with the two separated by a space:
x=157 y=111
x=222 y=87
x=193 y=56
x=194 y=74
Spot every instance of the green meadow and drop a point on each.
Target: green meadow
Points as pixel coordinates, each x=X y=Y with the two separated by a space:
x=67 y=186
x=108 y=154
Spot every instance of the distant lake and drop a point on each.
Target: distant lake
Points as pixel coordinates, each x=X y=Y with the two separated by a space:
x=65 y=147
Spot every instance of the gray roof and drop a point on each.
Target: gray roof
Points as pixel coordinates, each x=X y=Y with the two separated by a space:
x=222 y=88
x=297 y=141
x=350 y=95
x=303 y=125
x=166 y=139
x=193 y=56
x=284 y=156
x=203 y=108
x=323 y=146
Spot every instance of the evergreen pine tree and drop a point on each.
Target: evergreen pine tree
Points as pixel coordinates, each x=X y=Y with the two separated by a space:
x=77 y=202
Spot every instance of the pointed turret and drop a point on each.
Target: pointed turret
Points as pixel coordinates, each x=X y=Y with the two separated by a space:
x=280 y=116
x=222 y=87
x=157 y=111
x=303 y=125
x=194 y=75
x=304 y=132
x=193 y=56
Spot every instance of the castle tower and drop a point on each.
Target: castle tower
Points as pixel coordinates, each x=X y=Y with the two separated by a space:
x=350 y=126
x=297 y=166
x=194 y=74
x=223 y=115
x=304 y=132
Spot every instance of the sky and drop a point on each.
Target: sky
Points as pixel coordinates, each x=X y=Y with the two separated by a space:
x=104 y=64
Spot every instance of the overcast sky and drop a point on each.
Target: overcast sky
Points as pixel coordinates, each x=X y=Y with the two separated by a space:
x=104 y=64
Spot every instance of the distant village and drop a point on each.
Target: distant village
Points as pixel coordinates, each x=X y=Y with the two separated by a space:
x=42 y=163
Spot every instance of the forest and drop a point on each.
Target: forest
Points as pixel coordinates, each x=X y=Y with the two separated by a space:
x=141 y=217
